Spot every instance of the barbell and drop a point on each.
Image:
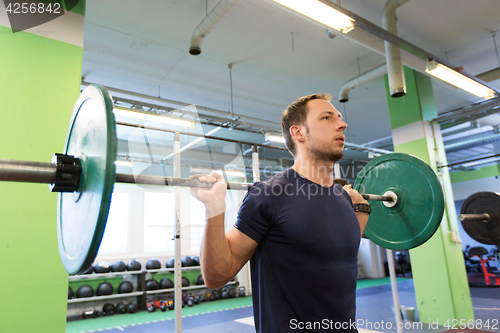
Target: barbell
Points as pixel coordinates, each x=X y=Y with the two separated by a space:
x=480 y=217
x=408 y=208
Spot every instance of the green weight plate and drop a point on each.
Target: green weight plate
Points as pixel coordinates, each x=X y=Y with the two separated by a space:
x=483 y=203
x=82 y=214
x=420 y=207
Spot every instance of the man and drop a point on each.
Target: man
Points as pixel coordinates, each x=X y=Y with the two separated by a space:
x=299 y=229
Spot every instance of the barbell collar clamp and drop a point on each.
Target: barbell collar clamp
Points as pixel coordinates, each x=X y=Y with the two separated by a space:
x=68 y=173
x=474 y=217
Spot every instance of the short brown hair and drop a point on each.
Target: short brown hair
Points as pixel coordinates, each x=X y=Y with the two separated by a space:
x=296 y=114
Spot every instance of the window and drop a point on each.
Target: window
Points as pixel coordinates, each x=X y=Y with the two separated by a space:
x=115 y=238
x=197 y=222
x=159 y=222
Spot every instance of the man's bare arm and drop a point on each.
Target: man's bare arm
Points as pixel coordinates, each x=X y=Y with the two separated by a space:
x=222 y=254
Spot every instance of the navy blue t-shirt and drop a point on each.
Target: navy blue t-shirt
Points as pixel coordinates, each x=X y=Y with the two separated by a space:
x=304 y=270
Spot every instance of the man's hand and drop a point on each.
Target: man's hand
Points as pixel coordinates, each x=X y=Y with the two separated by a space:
x=356 y=198
x=214 y=198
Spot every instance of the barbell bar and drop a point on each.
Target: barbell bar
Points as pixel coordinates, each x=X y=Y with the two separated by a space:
x=49 y=173
x=410 y=209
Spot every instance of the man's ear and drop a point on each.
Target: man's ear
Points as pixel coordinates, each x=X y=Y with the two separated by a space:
x=297 y=132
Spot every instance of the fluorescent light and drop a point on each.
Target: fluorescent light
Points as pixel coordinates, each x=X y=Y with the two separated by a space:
x=321 y=13
x=152 y=117
x=228 y=173
x=274 y=137
x=458 y=80
x=123 y=163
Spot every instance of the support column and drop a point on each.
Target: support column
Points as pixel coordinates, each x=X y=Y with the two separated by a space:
x=39 y=84
x=439 y=275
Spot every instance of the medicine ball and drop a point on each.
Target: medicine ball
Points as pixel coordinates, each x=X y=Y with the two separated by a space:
x=125 y=287
x=153 y=263
x=196 y=261
x=71 y=294
x=89 y=270
x=104 y=288
x=199 y=280
x=131 y=308
x=185 y=281
x=108 y=309
x=170 y=263
x=166 y=283
x=134 y=265
x=187 y=261
x=85 y=291
x=152 y=284
x=118 y=266
x=121 y=307
x=102 y=267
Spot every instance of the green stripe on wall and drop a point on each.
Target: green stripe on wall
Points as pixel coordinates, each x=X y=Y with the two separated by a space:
x=40 y=82
x=416 y=148
x=485 y=172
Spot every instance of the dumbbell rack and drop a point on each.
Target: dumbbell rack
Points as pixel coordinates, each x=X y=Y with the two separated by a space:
x=142 y=293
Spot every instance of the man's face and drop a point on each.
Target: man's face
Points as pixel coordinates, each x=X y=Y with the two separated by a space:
x=324 y=131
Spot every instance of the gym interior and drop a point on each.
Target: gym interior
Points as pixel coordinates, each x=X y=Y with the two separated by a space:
x=194 y=86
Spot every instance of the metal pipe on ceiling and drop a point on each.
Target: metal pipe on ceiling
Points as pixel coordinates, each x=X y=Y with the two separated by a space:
x=241 y=120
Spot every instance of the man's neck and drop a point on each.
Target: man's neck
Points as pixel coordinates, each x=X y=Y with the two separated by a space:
x=318 y=172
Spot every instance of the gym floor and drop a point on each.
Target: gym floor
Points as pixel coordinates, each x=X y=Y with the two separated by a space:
x=374 y=307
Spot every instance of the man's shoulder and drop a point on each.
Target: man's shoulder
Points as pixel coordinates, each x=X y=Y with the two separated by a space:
x=280 y=179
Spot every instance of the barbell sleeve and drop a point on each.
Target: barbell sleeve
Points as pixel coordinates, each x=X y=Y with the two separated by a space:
x=375 y=197
x=474 y=217
x=27 y=172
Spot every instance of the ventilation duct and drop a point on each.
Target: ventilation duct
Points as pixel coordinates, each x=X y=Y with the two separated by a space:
x=376 y=44
x=472 y=141
x=359 y=80
x=396 y=76
x=208 y=23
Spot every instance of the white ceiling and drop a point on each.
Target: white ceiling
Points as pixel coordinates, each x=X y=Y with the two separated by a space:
x=142 y=46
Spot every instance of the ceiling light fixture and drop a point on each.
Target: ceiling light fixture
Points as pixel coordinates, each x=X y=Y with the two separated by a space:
x=274 y=137
x=458 y=80
x=152 y=117
x=320 y=12
x=126 y=163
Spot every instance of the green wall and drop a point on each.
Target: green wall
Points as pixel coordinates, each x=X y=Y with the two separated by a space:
x=39 y=84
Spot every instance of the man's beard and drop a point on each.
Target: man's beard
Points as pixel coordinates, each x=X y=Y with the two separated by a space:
x=326 y=156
